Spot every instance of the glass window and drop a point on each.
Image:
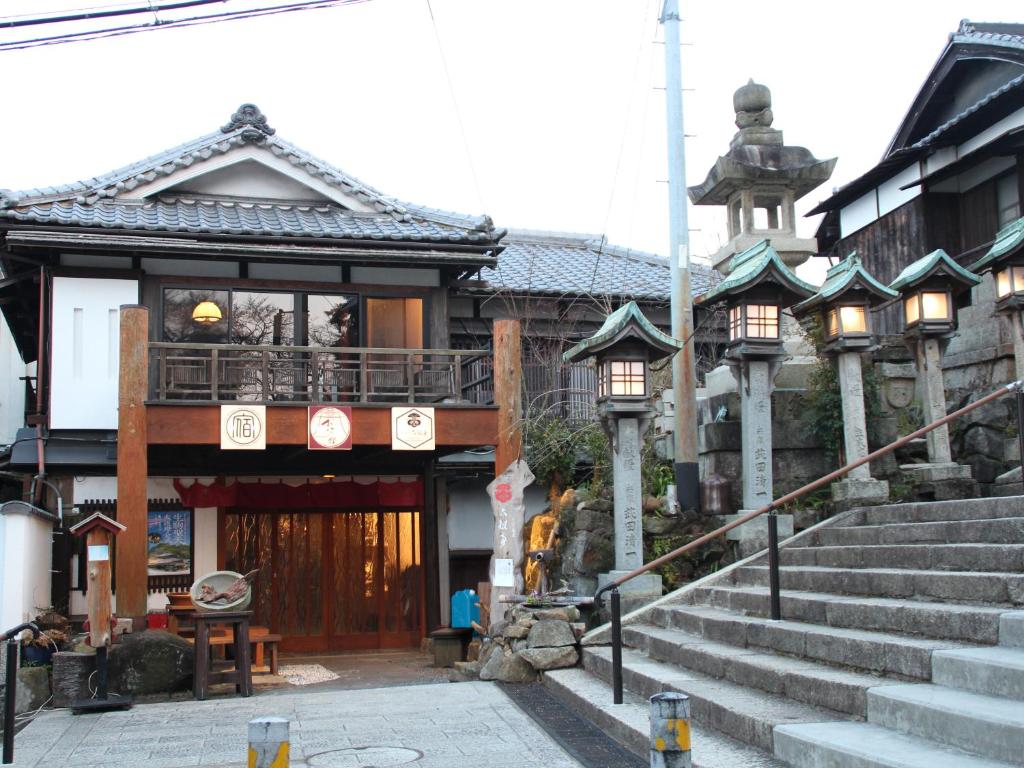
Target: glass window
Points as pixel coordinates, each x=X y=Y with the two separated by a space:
x=935 y=305
x=854 y=319
x=262 y=318
x=735 y=322
x=762 y=321
x=627 y=378
x=332 y=321
x=196 y=315
x=833 y=323
x=394 y=323
x=911 y=309
x=1008 y=198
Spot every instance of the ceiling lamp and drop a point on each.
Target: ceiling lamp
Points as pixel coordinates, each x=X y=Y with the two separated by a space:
x=206 y=312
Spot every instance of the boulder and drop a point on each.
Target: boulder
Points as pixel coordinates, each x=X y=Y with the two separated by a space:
x=596 y=505
x=515 y=669
x=593 y=520
x=550 y=658
x=568 y=613
x=490 y=661
x=33 y=689
x=550 y=634
x=516 y=631
x=71 y=676
x=659 y=525
x=153 y=661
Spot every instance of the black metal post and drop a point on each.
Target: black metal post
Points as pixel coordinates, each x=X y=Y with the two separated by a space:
x=9 y=694
x=101 y=673
x=773 y=565
x=616 y=648
x=1020 y=422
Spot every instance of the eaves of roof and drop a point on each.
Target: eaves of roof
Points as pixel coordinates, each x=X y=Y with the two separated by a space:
x=1009 y=240
x=935 y=261
x=849 y=274
x=626 y=318
x=751 y=267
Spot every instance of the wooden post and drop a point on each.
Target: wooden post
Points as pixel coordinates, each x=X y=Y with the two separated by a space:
x=132 y=462
x=97 y=591
x=508 y=392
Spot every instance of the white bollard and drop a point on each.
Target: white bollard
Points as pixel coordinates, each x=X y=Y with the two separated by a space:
x=670 y=731
x=268 y=742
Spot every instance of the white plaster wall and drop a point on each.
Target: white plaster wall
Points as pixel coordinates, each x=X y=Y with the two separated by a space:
x=891 y=197
x=86 y=352
x=470 y=520
x=994 y=131
x=26 y=555
x=12 y=389
x=396 y=276
x=858 y=214
x=251 y=179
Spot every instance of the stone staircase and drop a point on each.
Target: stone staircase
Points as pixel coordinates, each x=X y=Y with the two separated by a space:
x=901 y=645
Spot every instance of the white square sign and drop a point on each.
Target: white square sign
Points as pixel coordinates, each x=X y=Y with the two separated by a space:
x=504 y=576
x=412 y=429
x=243 y=427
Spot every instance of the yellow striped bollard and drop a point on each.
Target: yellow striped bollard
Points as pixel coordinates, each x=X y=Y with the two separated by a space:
x=670 y=731
x=268 y=742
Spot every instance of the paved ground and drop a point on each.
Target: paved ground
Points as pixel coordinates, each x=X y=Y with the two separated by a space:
x=371 y=669
x=424 y=726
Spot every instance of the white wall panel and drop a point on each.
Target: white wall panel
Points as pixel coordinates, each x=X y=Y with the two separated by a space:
x=396 y=276
x=891 y=197
x=190 y=267
x=84 y=361
x=858 y=214
x=12 y=389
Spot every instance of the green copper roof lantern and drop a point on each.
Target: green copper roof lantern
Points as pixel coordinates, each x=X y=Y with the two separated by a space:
x=624 y=346
x=759 y=286
x=1006 y=260
x=844 y=303
x=927 y=288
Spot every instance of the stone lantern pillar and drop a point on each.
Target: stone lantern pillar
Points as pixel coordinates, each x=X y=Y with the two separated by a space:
x=1005 y=259
x=843 y=306
x=623 y=347
x=927 y=290
x=758 y=287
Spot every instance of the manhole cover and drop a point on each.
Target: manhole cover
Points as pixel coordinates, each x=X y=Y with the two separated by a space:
x=365 y=757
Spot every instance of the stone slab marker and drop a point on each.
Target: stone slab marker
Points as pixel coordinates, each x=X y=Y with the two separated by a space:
x=629 y=550
x=929 y=363
x=756 y=416
x=855 y=437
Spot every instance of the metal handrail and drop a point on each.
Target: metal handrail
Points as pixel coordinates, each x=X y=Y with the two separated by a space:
x=11 y=692
x=330 y=350
x=613 y=586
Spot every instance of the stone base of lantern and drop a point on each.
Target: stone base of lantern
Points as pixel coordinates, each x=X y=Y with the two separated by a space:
x=941 y=482
x=857 y=492
x=635 y=593
x=1009 y=483
x=753 y=536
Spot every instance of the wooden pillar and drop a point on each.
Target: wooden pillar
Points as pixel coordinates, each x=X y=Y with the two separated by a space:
x=132 y=462
x=508 y=392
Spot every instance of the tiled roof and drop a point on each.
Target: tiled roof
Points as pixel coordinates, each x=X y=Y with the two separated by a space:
x=936 y=261
x=217 y=216
x=1009 y=239
x=844 y=276
x=564 y=264
x=954 y=121
x=995 y=34
x=247 y=127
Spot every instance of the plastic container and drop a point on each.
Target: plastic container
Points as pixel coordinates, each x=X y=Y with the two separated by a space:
x=465 y=609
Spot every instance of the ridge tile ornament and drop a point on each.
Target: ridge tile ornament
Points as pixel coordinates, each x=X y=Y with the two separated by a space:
x=249 y=116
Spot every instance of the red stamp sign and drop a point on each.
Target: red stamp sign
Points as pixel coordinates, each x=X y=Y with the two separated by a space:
x=503 y=493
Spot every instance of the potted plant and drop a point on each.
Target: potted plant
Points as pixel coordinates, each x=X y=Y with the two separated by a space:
x=36 y=651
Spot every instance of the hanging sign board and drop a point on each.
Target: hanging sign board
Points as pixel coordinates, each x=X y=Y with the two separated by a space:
x=412 y=429
x=330 y=428
x=243 y=427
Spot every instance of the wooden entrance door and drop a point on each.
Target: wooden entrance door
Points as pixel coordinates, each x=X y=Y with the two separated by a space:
x=332 y=580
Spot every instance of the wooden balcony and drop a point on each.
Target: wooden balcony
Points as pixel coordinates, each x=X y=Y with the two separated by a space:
x=211 y=373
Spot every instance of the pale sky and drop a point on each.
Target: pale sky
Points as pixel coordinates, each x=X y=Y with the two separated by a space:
x=561 y=101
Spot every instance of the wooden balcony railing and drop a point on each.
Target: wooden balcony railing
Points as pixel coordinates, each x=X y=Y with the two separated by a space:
x=233 y=372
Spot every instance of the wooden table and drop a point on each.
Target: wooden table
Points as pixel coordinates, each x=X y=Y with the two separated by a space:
x=241 y=675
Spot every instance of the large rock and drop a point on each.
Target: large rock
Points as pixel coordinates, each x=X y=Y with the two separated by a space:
x=71 y=676
x=550 y=634
x=568 y=613
x=33 y=689
x=550 y=658
x=490 y=661
x=151 y=662
x=515 y=669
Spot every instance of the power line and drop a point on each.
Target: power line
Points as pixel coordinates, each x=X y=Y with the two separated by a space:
x=193 y=21
x=104 y=14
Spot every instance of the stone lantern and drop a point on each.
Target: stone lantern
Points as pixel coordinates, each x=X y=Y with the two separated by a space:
x=927 y=289
x=758 y=287
x=624 y=347
x=843 y=305
x=1005 y=259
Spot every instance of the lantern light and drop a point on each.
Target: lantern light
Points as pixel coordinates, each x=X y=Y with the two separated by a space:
x=927 y=288
x=207 y=313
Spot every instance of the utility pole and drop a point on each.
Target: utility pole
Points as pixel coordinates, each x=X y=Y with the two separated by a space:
x=684 y=374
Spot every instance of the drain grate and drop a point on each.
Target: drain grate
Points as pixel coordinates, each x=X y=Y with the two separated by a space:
x=587 y=743
x=364 y=757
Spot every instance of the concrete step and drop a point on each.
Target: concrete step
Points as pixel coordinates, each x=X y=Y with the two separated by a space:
x=742 y=713
x=1008 y=558
x=629 y=723
x=1011 y=629
x=877 y=652
x=863 y=745
x=989 y=530
x=995 y=671
x=946 y=621
x=817 y=684
x=981 y=587
x=984 y=725
x=933 y=511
